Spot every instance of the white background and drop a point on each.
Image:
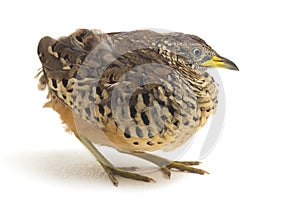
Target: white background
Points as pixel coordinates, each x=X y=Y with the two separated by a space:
x=257 y=156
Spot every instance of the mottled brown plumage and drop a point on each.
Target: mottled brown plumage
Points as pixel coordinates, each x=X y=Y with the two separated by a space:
x=134 y=91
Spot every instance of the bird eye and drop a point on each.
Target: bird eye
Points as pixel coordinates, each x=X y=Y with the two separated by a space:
x=197 y=52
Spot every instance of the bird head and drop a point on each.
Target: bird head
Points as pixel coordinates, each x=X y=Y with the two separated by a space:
x=194 y=52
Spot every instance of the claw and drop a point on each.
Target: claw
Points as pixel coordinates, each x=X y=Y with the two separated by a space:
x=166 y=171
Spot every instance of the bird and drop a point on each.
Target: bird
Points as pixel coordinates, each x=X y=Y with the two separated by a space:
x=137 y=92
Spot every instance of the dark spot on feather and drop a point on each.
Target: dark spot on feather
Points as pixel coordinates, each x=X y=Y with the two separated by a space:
x=161 y=103
x=65 y=82
x=109 y=114
x=54 y=83
x=98 y=91
x=111 y=79
x=127 y=133
x=91 y=98
x=66 y=57
x=79 y=37
x=171 y=110
x=150 y=135
x=150 y=143
x=132 y=112
x=161 y=133
x=146 y=99
x=192 y=106
x=116 y=124
x=144 y=118
x=101 y=109
x=88 y=111
x=139 y=132
x=163 y=117
x=135 y=143
x=176 y=123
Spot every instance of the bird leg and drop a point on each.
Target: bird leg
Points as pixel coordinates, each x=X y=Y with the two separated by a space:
x=108 y=166
x=166 y=165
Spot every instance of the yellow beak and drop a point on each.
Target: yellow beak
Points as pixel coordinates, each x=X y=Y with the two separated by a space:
x=220 y=62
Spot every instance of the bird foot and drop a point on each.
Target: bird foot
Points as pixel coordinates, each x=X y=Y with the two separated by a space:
x=179 y=165
x=166 y=165
x=182 y=166
x=110 y=169
x=112 y=172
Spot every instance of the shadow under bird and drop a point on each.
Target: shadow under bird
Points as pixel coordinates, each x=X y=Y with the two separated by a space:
x=137 y=92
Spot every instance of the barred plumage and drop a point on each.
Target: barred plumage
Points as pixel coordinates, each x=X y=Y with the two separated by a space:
x=134 y=91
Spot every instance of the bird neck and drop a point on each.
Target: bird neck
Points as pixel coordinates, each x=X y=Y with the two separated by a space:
x=196 y=79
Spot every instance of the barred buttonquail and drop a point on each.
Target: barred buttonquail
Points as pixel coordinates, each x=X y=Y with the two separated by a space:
x=136 y=91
